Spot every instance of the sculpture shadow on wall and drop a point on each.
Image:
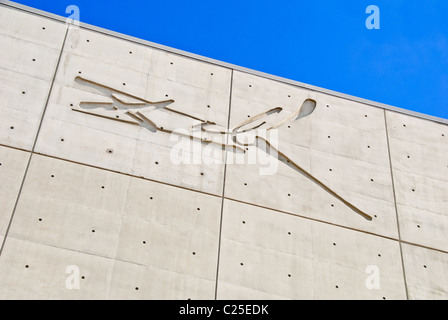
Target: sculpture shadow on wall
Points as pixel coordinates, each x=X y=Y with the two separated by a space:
x=130 y=109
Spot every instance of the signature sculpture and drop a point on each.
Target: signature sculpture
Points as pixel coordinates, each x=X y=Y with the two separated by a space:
x=127 y=108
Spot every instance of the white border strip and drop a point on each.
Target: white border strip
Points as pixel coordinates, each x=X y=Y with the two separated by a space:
x=223 y=64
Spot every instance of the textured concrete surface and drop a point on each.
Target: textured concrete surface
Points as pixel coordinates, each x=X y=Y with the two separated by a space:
x=420 y=168
x=127 y=223
x=301 y=259
x=93 y=204
x=342 y=144
x=30 y=51
x=12 y=170
x=141 y=72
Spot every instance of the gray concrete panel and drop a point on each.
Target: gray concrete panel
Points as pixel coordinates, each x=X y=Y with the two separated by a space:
x=95 y=212
x=123 y=146
x=418 y=151
x=12 y=170
x=426 y=272
x=342 y=144
x=32 y=28
x=137 y=282
x=71 y=206
x=112 y=192
x=31 y=47
x=30 y=270
x=35 y=60
x=294 y=258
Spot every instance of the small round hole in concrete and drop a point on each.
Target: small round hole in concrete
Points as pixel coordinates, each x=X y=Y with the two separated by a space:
x=27 y=266
x=194 y=253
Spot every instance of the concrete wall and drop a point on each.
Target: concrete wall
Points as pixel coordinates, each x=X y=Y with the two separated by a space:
x=102 y=196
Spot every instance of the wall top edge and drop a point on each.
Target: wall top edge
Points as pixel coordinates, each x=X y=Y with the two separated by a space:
x=20 y=7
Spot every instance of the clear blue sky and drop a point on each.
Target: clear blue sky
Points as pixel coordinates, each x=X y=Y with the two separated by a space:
x=321 y=42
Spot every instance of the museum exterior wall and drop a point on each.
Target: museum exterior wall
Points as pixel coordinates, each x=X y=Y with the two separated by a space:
x=108 y=193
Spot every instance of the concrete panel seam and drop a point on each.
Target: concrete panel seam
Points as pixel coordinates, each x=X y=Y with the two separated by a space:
x=223 y=188
x=232 y=199
x=395 y=205
x=15 y=148
x=34 y=145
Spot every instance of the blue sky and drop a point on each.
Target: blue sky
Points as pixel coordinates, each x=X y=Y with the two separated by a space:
x=321 y=42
